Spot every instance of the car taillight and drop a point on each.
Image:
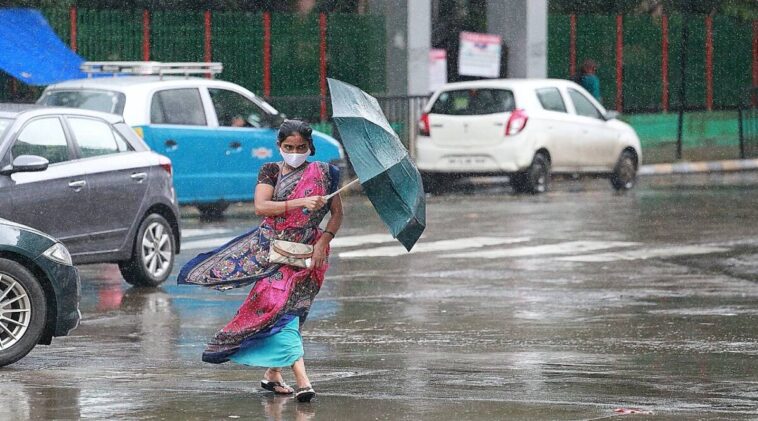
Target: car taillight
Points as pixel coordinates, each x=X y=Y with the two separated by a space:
x=516 y=122
x=423 y=125
x=165 y=163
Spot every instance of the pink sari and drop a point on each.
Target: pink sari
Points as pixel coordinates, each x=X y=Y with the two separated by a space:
x=280 y=292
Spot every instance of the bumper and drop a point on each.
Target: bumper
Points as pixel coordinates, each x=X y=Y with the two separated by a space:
x=511 y=155
x=67 y=288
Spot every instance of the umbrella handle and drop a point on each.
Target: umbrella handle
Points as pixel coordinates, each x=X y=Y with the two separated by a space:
x=343 y=188
x=327 y=197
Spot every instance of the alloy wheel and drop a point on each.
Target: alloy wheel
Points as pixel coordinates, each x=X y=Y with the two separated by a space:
x=15 y=311
x=156 y=249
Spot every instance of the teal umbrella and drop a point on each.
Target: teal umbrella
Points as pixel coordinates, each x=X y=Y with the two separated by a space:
x=388 y=176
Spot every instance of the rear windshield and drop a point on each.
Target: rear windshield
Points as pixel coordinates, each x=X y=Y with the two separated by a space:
x=474 y=102
x=4 y=124
x=95 y=100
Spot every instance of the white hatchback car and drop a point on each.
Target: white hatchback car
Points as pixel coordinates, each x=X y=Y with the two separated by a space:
x=525 y=128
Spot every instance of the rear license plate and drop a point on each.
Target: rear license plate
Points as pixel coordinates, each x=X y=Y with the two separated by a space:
x=466 y=161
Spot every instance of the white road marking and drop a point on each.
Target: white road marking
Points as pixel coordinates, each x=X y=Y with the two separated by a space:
x=359 y=240
x=445 y=245
x=560 y=248
x=207 y=244
x=199 y=232
x=339 y=242
x=646 y=253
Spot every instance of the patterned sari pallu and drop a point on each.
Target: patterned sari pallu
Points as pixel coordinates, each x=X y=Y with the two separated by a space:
x=283 y=288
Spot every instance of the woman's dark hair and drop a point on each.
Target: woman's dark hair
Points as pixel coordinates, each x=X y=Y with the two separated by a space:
x=290 y=127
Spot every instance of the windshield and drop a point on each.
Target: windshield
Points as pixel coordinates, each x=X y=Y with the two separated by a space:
x=4 y=124
x=105 y=101
x=474 y=102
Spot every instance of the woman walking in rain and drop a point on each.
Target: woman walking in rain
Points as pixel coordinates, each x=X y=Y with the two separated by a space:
x=265 y=332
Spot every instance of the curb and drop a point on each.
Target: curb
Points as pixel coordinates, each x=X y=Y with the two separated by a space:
x=700 y=167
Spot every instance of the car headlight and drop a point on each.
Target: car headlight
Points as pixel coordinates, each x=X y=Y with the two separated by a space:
x=59 y=254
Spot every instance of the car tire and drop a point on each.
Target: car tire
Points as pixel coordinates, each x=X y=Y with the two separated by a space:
x=625 y=173
x=153 y=254
x=535 y=179
x=23 y=302
x=212 y=210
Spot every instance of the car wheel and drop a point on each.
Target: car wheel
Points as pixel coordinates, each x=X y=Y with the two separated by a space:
x=153 y=255
x=23 y=311
x=212 y=210
x=625 y=174
x=535 y=179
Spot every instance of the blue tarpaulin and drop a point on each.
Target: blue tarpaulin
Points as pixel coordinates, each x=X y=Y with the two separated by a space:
x=32 y=52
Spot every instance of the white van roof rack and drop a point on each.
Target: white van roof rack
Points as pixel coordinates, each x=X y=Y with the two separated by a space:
x=149 y=68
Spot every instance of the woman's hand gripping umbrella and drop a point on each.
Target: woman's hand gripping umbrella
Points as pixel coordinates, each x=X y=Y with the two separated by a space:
x=388 y=176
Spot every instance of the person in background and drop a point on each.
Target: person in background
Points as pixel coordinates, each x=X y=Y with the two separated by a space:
x=588 y=78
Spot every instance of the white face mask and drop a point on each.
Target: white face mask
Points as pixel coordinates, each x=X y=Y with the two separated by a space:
x=294 y=160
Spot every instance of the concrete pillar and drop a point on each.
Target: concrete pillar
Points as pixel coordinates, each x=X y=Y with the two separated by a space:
x=408 y=28
x=523 y=26
x=419 y=26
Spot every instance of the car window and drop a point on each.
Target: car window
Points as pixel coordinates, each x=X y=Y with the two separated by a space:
x=4 y=124
x=177 y=106
x=551 y=99
x=96 y=137
x=42 y=137
x=583 y=106
x=105 y=101
x=235 y=110
x=474 y=102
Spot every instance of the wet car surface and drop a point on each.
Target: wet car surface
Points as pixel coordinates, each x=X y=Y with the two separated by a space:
x=577 y=304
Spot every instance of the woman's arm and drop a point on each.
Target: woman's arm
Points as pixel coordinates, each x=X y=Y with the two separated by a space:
x=335 y=221
x=264 y=206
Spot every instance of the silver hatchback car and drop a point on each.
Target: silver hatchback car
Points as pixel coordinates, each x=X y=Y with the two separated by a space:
x=87 y=179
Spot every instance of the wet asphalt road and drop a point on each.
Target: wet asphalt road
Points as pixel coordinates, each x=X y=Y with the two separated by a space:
x=571 y=305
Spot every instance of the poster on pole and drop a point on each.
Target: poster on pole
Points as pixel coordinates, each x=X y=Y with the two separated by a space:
x=479 y=55
x=437 y=68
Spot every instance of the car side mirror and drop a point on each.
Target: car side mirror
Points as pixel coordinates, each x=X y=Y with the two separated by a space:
x=27 y=163
x=612 y=115
x=273 y=120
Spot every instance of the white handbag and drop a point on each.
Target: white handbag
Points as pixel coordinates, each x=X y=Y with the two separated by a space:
x=289 y=253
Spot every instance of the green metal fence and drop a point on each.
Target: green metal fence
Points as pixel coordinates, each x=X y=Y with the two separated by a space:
x=105 y=34
x=355 y=48
x=642 y=86
x=356 y=51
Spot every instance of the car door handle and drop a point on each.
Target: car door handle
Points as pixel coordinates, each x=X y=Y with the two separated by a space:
x=438 y=125
x=234 y=147
x=77 y=185
x=171 y=145
x=139 y=176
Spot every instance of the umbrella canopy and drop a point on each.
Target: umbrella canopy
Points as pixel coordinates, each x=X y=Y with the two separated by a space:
x=388 y=176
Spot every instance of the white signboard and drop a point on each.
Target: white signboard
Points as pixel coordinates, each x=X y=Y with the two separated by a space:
x=479 y=55
x=437 y=68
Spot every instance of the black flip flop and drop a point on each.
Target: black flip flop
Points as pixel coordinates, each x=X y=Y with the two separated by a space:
x=271 y=386
x=305 y=394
